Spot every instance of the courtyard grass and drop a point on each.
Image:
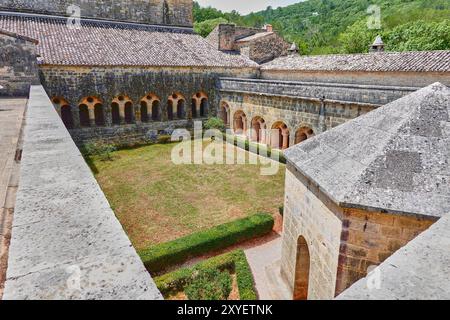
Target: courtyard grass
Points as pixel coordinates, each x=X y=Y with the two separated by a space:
x=157 y=201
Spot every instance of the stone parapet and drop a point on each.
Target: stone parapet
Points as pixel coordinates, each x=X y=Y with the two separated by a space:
x=66 y=241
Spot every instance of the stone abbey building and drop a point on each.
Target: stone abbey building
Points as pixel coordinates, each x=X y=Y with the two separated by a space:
x=128 y=71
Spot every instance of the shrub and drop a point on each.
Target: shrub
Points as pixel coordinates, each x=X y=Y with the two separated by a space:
x=161 y=256
x=233 y=262
x=102 y=150
x=209 y=284
x=262 y=149
x=214 y=123
x=164 y=139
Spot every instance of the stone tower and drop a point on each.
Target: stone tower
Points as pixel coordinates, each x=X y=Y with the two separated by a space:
x=377 y=45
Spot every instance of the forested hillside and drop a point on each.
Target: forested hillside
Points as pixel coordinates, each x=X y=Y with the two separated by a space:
x=340 y=26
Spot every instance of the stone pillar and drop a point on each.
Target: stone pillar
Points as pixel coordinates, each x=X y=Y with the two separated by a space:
x=137 y=114
x=91 y=115
x=285 y=134
x=322 y=116
x=122 y=112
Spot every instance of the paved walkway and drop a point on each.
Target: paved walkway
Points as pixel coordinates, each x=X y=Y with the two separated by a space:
x=11 y=119
x=264 y=261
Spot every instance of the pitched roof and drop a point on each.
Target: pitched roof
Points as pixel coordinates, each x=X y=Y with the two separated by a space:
x=396 y=158
x=418 y=61
x=254 y=37
x=107 y=43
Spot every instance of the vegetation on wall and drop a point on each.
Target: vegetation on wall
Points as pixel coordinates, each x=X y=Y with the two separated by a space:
x=340 y=26
x=233 y=262
x=164 y=255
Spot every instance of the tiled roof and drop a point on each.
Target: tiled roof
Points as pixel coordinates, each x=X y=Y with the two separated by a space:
x=419 y=61
x=395 y=158
x=254 y=37
x=102 y=43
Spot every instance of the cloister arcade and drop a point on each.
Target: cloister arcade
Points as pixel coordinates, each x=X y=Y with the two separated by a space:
x=264 y=128
x=122 y=110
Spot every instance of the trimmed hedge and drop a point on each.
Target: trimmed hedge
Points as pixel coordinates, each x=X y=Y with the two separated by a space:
x=159 y=257
x=234 y=262
x=241 y=142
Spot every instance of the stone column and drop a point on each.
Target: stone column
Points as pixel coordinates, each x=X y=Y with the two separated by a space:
x=91 y=115
x=322 y=116
x=285 y=134
x=244 y=125
x=122 y=112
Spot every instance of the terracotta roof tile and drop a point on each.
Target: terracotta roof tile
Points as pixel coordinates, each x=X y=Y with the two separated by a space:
x=418 y=61
x=106 y=43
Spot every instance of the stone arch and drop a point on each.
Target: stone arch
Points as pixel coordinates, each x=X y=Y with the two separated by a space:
x=279 y=138
x=240 y=123
x=84 y=115
x=125 y=106
x=258 y=125
x=99 y=115
x=156 y=110
x=91 y=104
x=225 y=113
x=150 y=108
x=302 y=268
x=175 y=106
x=115 y=113
x=129 y=112
x=303 y=134
x=199 y=106
x=65 y=111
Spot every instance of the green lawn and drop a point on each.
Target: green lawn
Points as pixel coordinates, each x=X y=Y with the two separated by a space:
x=157 y=201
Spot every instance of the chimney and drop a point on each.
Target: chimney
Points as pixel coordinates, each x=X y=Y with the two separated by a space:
x=227 y=35
x=268 y=28
x=377 y=45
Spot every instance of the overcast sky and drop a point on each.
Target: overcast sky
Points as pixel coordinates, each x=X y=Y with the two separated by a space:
x=245 y=6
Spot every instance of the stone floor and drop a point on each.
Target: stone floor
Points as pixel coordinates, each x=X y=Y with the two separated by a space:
x=264 y=261
x=11 y=120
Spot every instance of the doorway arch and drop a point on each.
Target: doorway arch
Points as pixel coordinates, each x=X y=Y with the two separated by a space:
x=302 y=267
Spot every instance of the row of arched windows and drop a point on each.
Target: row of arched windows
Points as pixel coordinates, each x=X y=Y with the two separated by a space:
x=278 y=135
x=91 y=110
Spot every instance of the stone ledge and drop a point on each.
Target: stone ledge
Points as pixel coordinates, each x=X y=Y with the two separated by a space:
x=66 y=241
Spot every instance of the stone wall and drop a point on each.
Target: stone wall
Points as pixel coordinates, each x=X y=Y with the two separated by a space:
x=305 y=215
x=359 y=94
x=66 y=241
x=265 y=49
x=18 y=65
x=343 y=243
x=407 y=79
x=73 y=84
x=369 y=238
x=171 y=12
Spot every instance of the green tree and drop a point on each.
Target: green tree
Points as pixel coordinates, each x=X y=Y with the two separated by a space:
x=204 y=28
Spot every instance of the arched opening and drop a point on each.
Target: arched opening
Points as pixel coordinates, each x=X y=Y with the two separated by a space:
x=258 y=130
x=279 y=136
x=65 y=110
x=156 y=114
x=66 y=116
x=84 y=115
x=302 y=270
x=204 y=108
x=239 y=122
x=170 y=110
x=194 y=108
x=225 y=113
x=115 y=113
x=303 y=134
x=180 y=109
x=99 y=115
x=129 y=112
x=144 y=111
